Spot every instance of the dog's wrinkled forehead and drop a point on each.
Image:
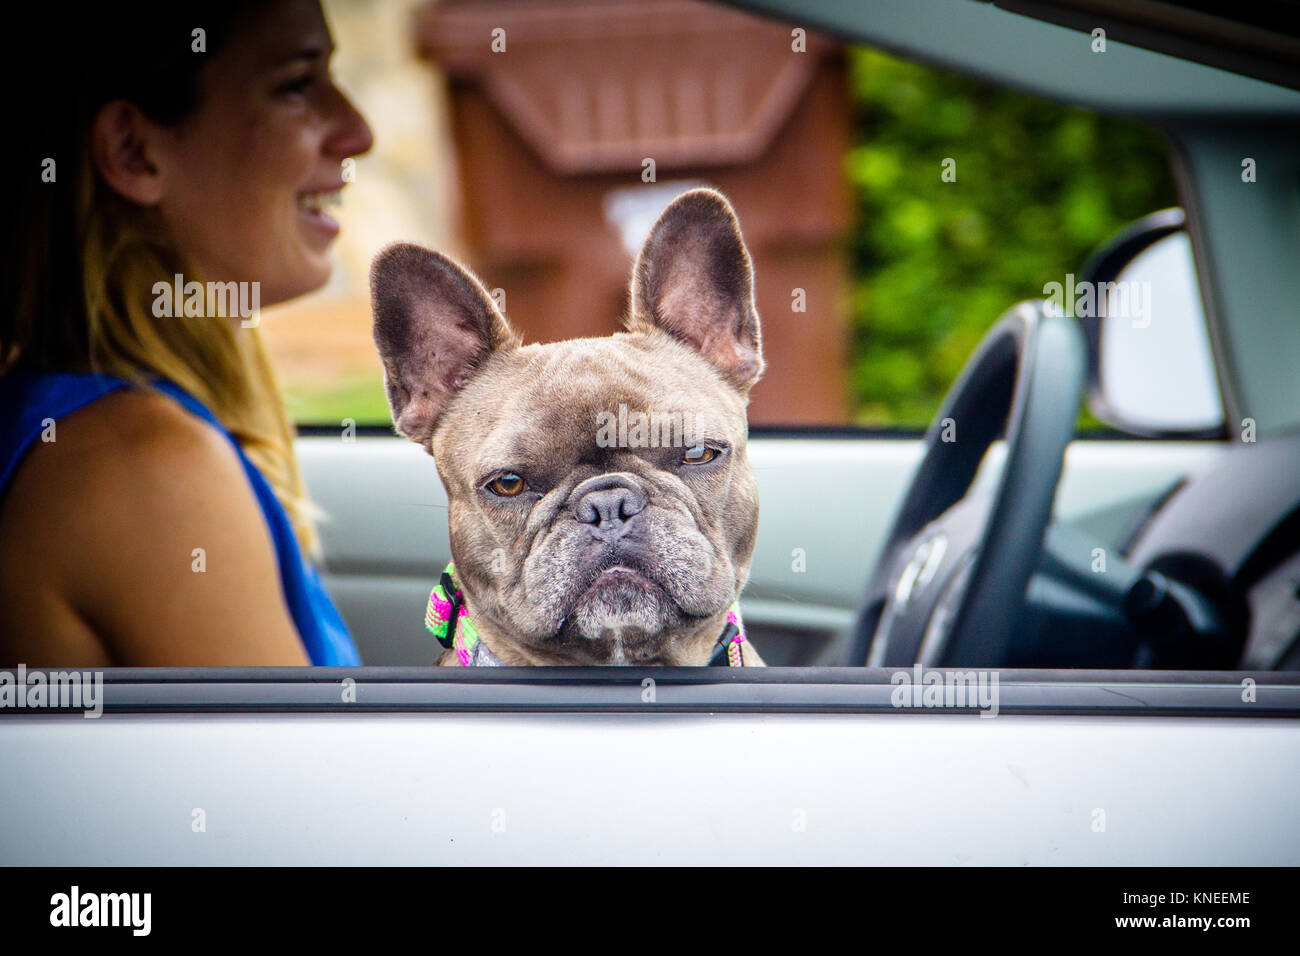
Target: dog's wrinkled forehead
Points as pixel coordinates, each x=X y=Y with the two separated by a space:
x=587 y=402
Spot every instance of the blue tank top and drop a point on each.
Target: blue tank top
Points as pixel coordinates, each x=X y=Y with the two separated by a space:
x=28 y=399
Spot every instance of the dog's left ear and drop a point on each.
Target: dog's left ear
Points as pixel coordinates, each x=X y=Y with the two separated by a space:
x=694 y=280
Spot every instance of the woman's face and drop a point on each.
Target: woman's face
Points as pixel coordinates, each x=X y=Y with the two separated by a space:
x=250 y=175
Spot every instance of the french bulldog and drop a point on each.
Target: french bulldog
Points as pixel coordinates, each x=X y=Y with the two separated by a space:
x=601 y=506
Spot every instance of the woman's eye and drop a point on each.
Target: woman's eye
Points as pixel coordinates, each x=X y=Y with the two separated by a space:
x=300 y=85
x=507 y=486
x=699 y=454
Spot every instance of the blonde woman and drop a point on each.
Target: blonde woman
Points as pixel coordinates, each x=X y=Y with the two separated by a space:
x=151 y=510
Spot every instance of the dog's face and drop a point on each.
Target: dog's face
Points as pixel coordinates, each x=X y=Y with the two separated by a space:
x=602 y=509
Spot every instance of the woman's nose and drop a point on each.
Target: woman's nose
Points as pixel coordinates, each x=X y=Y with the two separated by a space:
x=351 y=135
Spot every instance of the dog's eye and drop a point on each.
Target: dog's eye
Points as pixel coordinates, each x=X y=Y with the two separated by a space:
x=699 y=454
x=507 y=485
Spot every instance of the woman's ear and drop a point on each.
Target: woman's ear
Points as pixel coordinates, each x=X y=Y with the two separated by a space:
x=124 y=145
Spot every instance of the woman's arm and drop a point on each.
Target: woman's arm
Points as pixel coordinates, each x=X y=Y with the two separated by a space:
x=142 y=519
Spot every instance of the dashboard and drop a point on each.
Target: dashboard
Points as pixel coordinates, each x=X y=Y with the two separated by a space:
x=1231 y=530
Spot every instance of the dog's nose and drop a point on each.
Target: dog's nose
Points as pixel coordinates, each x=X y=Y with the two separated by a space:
x=607 y=501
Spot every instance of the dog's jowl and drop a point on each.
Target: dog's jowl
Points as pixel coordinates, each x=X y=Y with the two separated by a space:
x=602 y=508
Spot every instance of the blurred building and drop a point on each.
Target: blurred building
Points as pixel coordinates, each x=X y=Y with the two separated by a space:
x=558 y=107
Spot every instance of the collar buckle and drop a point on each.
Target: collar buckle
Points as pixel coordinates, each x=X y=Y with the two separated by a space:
x=722 y=648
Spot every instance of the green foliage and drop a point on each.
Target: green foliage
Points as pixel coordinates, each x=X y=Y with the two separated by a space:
x=359 y=398
x=1038 y=186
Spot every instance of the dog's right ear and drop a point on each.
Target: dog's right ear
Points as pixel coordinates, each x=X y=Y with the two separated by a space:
x=434 y=325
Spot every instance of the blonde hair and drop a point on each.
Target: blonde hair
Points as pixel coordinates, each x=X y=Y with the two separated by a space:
x=123 y=252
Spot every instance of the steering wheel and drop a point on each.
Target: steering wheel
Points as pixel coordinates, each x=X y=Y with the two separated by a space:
x=950 y=581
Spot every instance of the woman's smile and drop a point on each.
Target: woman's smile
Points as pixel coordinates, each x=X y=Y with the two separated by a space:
x=312 y=205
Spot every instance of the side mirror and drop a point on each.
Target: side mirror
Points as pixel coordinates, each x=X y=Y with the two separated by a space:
x=1151 y=365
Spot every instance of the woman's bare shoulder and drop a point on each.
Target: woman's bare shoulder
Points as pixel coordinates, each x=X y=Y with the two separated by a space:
x=126 y=456
x=141 y=515
x=134 y=426
x=128 y=447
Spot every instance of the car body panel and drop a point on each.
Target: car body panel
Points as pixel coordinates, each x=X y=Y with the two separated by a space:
x=646 y=788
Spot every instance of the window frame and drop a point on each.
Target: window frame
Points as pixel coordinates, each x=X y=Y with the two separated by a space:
x=772 y=690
